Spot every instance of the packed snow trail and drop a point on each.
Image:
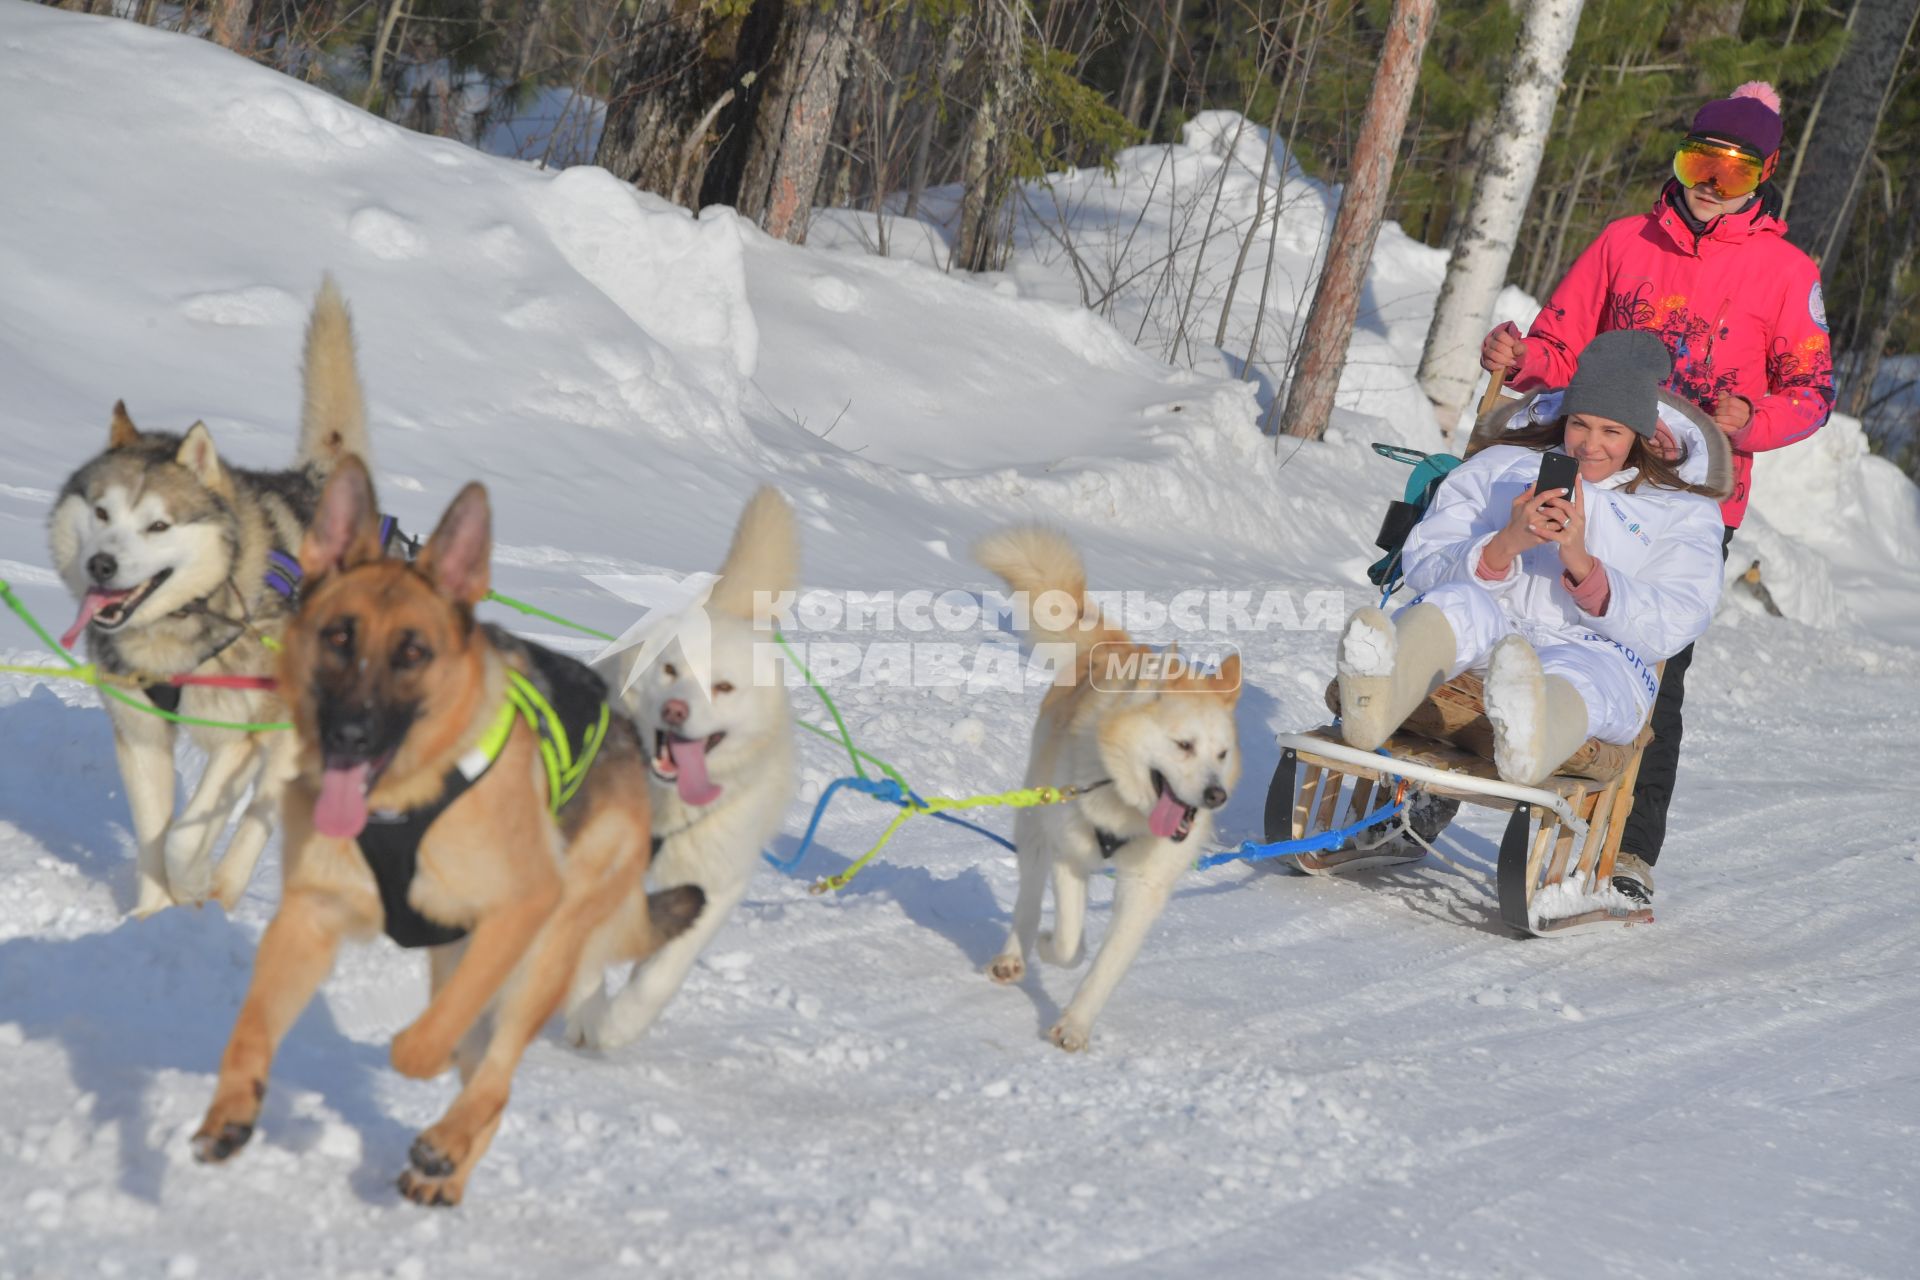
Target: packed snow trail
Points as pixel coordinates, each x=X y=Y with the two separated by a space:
x=1298 y=1076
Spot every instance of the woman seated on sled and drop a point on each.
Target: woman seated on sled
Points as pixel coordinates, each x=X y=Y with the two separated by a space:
x=1567 y=599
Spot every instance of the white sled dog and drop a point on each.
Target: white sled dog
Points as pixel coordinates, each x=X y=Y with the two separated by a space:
x=1151 y=758
x=722 y=776
x=172 y=556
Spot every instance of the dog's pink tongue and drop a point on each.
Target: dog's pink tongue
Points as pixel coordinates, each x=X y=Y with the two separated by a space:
x=690 y=765
x=342 y=808
x=1164 y=821
x=90 y=604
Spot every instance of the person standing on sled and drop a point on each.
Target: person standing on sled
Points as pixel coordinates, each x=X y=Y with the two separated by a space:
x=1566 y=598
x=1708 y=270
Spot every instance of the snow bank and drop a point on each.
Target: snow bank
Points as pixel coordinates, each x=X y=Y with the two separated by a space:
x=1156 y=249
x=1831 y=493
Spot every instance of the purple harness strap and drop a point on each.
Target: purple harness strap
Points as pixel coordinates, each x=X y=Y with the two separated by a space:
x=283 y=571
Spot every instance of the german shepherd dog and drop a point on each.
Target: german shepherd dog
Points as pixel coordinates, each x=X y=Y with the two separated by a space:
x=1152 y=756
x=400 y=700
x=168 y=550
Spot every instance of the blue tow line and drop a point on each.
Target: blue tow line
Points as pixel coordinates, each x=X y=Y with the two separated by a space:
x=1251 y=851
x=1254 y=851
x=880 y=789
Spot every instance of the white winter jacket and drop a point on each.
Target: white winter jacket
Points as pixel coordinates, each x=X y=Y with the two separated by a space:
x=1661 y=547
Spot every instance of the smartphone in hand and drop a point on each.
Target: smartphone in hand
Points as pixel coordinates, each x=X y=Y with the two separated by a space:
x=1557 y=471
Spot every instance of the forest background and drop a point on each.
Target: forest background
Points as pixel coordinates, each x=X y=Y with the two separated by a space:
x=954 y=111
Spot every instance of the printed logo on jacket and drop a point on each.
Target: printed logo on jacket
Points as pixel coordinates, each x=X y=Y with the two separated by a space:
x=1632 y=526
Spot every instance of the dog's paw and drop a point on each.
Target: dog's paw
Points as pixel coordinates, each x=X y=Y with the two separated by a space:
x=153 y=899
x=1007 y=969
x=587 y=1022
x=615 y=1031
x=420 y=1054
x=229 y=1123
x=588 y=1029
x=230 y=885
x=189 y=873
x=1050 y=952
x=431 y=1179
x=1070 y=1036
x=213 y=1144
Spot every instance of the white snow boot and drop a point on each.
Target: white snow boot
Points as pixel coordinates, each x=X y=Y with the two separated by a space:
x=1388 y=666
x=1538 y=720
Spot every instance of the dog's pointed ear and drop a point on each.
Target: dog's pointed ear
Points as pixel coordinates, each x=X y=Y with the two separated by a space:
x=1226 y=681
x=198 y=456
x=346 y=526
x=458 y=558
x=121 y=432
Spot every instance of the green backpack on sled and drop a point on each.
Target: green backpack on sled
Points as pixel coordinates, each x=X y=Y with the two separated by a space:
x=1429 y=469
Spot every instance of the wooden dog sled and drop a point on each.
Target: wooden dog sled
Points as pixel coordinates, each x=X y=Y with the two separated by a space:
x=1556 y=857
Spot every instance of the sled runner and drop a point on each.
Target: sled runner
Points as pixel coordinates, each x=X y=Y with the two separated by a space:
x=1556 y=855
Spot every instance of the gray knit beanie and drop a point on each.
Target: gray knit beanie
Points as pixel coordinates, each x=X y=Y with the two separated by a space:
x=1619 y=377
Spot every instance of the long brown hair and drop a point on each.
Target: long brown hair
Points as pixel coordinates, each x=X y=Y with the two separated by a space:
x=1660 y=473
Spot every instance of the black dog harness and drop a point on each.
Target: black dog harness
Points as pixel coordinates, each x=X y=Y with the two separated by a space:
x=1109 y=842
x=570 y=719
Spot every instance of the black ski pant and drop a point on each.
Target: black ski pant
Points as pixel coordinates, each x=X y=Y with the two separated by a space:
x=1646 y=828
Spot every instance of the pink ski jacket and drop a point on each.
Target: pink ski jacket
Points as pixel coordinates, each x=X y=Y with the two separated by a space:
x=1739 y=308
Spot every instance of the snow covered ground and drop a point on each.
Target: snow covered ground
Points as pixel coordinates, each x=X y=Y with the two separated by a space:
x=1298 y=1077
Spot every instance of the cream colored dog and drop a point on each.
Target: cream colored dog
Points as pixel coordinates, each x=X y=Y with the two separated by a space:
x=1153 y=756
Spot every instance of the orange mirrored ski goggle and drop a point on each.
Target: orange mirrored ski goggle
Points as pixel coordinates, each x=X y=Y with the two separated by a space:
x=1732 y=171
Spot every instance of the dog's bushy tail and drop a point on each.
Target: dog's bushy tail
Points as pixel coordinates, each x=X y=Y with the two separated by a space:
x=333 y=412
x=764 y=557
x=1035 y=561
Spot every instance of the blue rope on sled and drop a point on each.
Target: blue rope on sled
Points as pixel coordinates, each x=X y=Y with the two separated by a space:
x=1255 y=851
x=880 y=789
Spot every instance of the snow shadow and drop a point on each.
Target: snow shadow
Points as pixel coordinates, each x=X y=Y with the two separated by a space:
x=960 y=908
x=158 y=996
x=61 y=787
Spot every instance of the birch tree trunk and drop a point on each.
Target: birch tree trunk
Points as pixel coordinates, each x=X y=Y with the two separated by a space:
x=794 y=122
x=1336 y=301
x=986 y=172
x=1502 y=187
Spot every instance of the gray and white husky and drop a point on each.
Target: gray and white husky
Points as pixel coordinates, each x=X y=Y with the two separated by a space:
x=722 y=774
x=169 y=551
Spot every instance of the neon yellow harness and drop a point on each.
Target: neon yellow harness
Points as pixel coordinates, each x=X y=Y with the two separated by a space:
x=390 y=842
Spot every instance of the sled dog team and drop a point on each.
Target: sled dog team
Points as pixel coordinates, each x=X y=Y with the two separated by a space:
x=484 y=799
x=491 y=802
